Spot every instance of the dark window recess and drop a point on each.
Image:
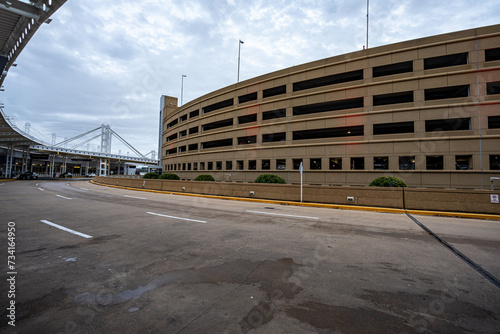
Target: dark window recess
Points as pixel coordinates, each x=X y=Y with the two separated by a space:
x=329 y=132
x=445 y=61
x=328 y=80
x=393 y=128
x=217 y=143
x=240 y=165
x=492 y=54
x=266 y=164
x=218 y=124
x=193 y=147
x=450 y=124
x=274 y=91
x=495 y=162
x=182 y=133
x=358 y=163
x=218 y=105
x=247 y=119
x=195 y=166
x=247 y=140
x=380 y=163
x=296 y=163
x=171 y=124
x=434 y=162
x=392 y=98
x=328 y=106
x=494 y=122
x=274 y=114
x=193 y=130
x=194 y=113
x=493 y=88
x=271 y=137
x=315 y=163
x=210 y=165
x=280 y=163
x=446 y=92
x=407 y=162
x=172 y=151
x=218 y=165
x=172 y=137
x=247 y=97
x=463 y=162
x=182 y=148
x=404 y=67
x=183 y=118
x=335 y=163
x=252 y=164
x=229 y=165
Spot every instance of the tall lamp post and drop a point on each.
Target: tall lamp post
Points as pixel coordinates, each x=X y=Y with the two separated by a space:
x=239 y=53
x=182 y=86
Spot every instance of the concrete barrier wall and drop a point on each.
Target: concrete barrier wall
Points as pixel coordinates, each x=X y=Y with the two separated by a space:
x=471 y=201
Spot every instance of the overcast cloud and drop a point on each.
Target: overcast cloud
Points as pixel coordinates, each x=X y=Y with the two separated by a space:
x=110 y=61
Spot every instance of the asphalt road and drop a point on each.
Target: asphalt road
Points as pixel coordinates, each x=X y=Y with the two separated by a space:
x=139 y=262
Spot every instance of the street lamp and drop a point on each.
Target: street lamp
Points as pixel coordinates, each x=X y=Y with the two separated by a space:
x=182 y=86
x=239 y=53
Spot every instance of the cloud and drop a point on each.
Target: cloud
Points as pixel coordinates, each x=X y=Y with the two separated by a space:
x=108 y=62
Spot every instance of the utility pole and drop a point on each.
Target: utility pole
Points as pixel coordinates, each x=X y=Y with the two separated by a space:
x=239 y=53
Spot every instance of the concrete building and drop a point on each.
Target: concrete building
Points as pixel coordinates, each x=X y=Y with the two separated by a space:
x=426 y=111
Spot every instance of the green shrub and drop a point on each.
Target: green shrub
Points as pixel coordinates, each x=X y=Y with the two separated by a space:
x=269 y=178
x=169 y=176
x=150 y=176
x=204 y=177
x=387 y=181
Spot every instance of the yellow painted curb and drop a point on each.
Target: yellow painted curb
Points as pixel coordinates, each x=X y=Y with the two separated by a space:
x=3 y=180
x=318 y=205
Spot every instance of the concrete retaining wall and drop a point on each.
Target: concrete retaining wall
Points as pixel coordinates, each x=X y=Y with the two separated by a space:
x=470 y=201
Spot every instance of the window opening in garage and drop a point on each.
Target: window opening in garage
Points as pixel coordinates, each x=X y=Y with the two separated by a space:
x=194 y=113
x=397 y=68
x=247 y=140
x=357 y=163
x=494 y=162
x=240 y=165
x=447 y=60
x=247 y=97
x=171 y=124
x=494 y=122
x=463 y=162
x=451 y=124
x=328 y=80
x=381 y=163
x=315 y=163
x=274 y=114
x=183 y=118
x=272 y=137
x=266 y=164
x=247 y=119
x=296 y=163
x=202 y=166
x=193 y=147
x=217 y=143
x=328 y=106
x=274 y=91
x=407 y=162
x=218 y=124
x=182 y=133
x=492 y=54
x=493 y=88
x=252 y=164
x=393 y=128
x=229 y=165
x=335 y=163
x=281 y=164
x=182 y=148
x=447 y=92
x=434 y=162
x=218 y=105
x=218 y=165
x=392 y=98
x=346 y=131
x=172 y=137
x=193 y=130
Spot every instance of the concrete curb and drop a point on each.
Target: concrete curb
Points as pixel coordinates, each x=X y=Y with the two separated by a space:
x=320 y=205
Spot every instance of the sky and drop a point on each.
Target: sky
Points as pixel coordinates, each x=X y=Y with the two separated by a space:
x=109 y=62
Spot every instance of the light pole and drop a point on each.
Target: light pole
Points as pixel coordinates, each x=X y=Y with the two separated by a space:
x=182 y=86
x=239 y=53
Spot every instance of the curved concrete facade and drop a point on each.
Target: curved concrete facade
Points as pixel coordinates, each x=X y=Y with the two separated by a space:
x=426 y=111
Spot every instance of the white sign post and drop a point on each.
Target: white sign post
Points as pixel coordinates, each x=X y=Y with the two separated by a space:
x=301 y=169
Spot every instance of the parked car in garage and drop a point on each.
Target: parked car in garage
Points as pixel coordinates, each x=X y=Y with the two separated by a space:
x=66 y=175
x=28 y=176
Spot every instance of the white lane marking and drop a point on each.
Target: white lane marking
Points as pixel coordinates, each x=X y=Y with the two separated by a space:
x=280 y=214
x=191 y=220
x=41 y=189
x=66 y=229
x=84 y=188
x=63 y=197
x=135 y=197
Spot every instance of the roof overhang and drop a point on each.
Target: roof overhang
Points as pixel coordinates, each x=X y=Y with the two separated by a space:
x=19 y=21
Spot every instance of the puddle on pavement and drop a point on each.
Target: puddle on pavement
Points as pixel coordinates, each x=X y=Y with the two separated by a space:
x=268 y=274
